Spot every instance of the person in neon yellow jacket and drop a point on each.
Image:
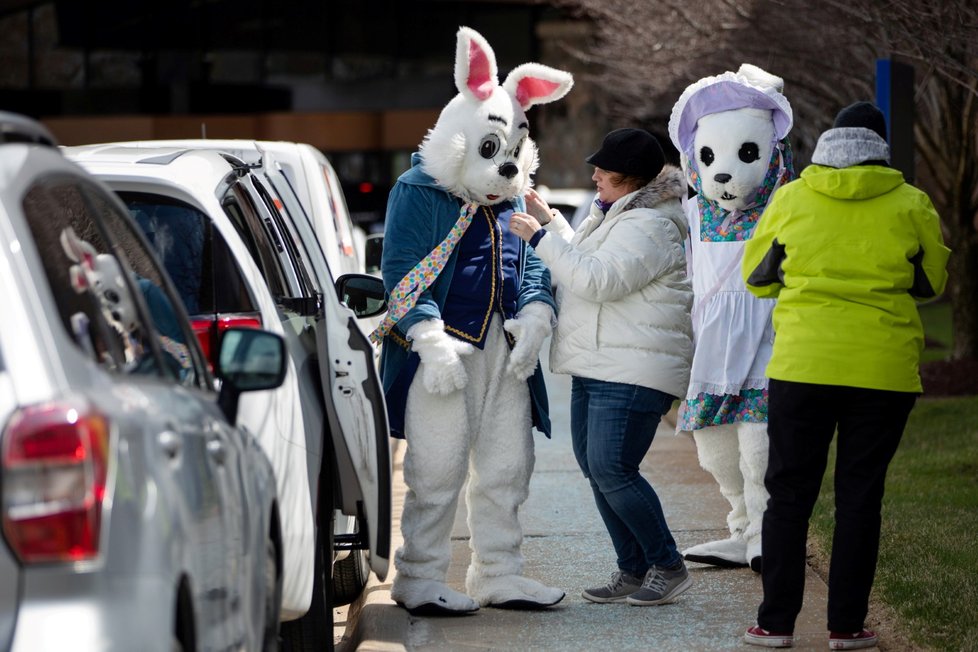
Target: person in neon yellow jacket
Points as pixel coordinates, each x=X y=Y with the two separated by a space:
x=848 y=250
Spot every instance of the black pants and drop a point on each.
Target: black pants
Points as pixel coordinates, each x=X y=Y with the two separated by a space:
x=802 y=419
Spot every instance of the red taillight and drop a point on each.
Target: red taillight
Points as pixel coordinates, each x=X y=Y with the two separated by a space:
x=204 y=330
x=55 y=459
x=209 y=330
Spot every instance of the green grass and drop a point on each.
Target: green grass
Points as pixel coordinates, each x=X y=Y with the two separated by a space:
x=928 y=567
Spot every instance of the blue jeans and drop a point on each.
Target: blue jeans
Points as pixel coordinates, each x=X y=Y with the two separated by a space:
x=612 y=427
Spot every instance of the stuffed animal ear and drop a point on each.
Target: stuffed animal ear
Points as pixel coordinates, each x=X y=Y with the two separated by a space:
x=476 y=75
x=535 y=83
x=761 y=77
x=76 y=249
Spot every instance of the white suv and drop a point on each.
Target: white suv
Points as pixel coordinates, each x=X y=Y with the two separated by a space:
x=230 y=244
x=313 y=181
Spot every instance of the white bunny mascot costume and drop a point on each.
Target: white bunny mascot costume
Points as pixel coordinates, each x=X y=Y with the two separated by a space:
x=470 y=307
x=731 y=132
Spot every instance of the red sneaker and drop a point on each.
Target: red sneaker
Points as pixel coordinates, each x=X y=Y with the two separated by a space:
x=842 y=641
x=757 y=635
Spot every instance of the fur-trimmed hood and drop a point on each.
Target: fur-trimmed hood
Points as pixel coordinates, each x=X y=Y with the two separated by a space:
x=669 y=184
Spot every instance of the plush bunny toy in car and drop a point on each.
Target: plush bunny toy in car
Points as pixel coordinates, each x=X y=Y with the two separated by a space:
x=731 y=131
x=470 y=306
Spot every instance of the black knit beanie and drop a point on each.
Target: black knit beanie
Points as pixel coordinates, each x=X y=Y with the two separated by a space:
x=632 y=152
x=862 y=114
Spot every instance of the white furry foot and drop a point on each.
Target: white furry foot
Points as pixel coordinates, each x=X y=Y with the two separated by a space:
x=728 y=553
x=512 y=592
x=430 y=598
x=754 y=554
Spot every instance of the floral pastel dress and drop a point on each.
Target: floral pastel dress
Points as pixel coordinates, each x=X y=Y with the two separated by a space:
x=732 y=328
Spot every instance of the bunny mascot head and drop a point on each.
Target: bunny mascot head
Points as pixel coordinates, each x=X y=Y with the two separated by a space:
x=470 y=306
x=731 y=131
x=480 y=148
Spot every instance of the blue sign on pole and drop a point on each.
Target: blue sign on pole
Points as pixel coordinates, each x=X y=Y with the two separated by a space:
x=884 y=82
x=895 y=98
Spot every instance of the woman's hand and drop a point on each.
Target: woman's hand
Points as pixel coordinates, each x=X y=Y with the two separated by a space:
x=524 y=225
x=537 y=207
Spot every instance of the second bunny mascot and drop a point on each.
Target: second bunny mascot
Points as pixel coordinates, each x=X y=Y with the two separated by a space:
x=731 y=131
x=470 y=307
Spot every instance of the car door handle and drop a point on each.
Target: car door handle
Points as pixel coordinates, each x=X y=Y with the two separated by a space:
x=169 y=443
x=217 y=451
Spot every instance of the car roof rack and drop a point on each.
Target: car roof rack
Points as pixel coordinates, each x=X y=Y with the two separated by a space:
x=16 y=128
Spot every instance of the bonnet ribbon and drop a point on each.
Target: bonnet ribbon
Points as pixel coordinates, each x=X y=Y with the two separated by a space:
x=405 y=294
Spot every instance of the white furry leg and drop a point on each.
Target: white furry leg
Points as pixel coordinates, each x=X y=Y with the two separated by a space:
x=718 y=450
x=753 y=442
x=719 y=453
x=435 y=463
x=499 y=478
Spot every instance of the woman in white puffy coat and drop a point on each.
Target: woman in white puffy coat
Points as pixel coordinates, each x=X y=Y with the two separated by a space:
x=624 y=334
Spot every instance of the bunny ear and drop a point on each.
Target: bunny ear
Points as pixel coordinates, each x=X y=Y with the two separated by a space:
x=534 y=83
x=475 y=65
x=76 y=249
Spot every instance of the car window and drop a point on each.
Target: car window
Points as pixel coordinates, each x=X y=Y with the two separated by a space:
x=281 y=184
x=94 y=288
x=157 y=291
x=195 y=255
x=249 y=225
x=341 y=215
x=304 y=285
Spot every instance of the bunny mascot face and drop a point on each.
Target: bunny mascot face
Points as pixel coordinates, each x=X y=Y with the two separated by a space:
x=731 y=131
x=470 y=307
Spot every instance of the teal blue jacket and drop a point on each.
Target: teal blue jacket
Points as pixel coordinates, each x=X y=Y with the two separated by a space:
x=420 y=213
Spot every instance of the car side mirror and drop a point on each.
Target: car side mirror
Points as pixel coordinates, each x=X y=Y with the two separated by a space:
x=373 y=250
x=363 y=294
x=249 y=360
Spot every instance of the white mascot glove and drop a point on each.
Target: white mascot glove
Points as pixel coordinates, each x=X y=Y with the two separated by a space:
x=443 y=372
x=530 y=327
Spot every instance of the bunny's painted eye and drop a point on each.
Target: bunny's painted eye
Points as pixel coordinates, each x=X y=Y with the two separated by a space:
x=749 y=152
x=519 y=148
x=489 y=146
x=706 y=156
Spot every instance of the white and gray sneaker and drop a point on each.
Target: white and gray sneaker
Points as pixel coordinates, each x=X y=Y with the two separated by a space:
x=619 y=586
x=661 y=586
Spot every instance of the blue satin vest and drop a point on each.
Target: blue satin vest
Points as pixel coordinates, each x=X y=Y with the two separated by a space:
x=487 y=276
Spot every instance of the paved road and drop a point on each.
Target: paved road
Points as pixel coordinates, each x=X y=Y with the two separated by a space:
x=566 y=546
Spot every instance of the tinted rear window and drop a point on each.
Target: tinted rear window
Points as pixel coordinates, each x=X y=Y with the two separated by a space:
x=194 y=253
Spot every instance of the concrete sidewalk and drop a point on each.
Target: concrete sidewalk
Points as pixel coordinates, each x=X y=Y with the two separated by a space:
x=566 y=546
